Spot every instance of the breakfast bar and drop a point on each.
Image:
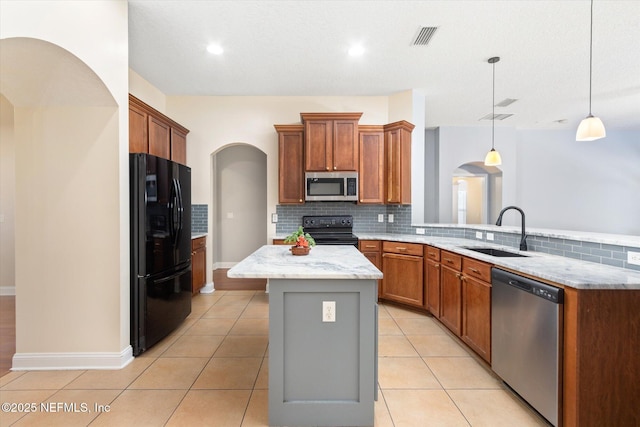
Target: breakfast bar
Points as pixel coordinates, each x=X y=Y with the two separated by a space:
x=322 y=334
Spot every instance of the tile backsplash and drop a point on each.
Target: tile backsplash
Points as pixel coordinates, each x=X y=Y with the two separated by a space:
x=365 y=220
x=199 y=218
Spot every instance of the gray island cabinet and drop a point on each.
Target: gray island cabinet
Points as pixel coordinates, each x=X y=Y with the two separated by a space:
x=322 y=334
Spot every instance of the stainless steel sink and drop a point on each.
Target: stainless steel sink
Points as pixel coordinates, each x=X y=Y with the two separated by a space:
x=495 y=252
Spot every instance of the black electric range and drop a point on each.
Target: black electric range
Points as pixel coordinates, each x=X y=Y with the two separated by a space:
x=330 y=229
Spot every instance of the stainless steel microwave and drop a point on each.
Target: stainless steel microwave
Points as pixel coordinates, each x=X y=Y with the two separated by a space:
x=331 y=186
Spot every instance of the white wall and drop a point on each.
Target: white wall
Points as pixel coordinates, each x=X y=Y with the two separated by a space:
x=72 y=227
x=588 y=186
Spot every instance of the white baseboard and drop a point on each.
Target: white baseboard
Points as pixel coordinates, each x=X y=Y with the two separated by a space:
x=208 y=288
x=67 y=361
x=6 y=291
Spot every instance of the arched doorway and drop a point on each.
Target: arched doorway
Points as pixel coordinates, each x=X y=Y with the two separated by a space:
x=239 y=212
x=65 y=132
x=477 y=193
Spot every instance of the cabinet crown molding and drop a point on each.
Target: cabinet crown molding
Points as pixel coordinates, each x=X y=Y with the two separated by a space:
x=402 y=124
x=330 y=116
x=289 y=128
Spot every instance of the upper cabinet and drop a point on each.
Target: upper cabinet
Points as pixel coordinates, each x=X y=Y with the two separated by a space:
x=397 y=138
x=331 y=141
x=290 y=164
x=152 y=132
x=371 y=167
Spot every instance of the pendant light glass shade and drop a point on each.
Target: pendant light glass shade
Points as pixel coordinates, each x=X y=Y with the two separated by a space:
x=493 y=158
x=590 y=129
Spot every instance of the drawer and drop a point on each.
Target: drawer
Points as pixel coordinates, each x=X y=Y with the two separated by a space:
x=198 y=243
x=280 y=242
x=403 y=248
x=451 y=260
x=478 y=269
x=432 y=253
x=369 y=245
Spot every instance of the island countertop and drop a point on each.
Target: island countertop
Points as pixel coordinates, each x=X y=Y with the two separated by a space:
x=323 y=262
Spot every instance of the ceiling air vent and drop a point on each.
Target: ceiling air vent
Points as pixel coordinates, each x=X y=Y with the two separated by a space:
x=506 y=102
x=492 y=116
x=424 y=35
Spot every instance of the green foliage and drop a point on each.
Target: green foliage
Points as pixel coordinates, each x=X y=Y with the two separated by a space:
x=293 y=237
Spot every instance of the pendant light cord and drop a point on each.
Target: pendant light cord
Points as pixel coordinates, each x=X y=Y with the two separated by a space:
x=590 y=56
x=493 y=104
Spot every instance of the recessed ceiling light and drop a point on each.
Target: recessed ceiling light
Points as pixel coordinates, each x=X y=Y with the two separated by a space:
x=215 y=49
x=356 y=50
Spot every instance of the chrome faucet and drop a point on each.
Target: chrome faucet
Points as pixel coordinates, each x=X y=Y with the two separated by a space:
x=523 y=236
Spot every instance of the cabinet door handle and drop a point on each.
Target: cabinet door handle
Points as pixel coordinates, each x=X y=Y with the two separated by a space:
x=459 y=276
x=335 y=168
x=300 y=200
x=436 y=265
x=327 y=167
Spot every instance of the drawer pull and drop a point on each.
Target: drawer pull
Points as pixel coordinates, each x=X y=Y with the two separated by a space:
x=475 y=270
x=401 y=249
x=370 y=246
x=450 y=261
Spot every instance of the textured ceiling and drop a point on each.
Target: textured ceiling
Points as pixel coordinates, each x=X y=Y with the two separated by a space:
x=292 y=48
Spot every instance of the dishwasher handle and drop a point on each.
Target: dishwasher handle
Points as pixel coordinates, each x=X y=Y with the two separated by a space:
x=518 y=284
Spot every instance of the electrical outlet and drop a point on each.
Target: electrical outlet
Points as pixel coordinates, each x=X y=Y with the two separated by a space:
x=633 y=258
x=489 y=236
x=390 y=217
x=479 y=235
x=274 y=218
x=229 y=215
x=419 y=230
x=380 y=217
x=328 y=311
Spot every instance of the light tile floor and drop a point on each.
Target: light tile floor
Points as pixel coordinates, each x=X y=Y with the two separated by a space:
x=213 y=371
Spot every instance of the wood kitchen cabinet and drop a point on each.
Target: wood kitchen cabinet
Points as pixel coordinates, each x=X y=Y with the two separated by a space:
x=371 y=166
x=152 y=132
x=476 y=306
x=402 y=266
x=371 y=250
x=432 y=279
x=198 y=264
x=451 y=291
x=465 y=300
x=330 y=141
x=397 y=137
x=290 y=164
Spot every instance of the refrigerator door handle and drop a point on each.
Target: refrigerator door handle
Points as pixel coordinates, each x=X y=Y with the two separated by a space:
x=180 y=207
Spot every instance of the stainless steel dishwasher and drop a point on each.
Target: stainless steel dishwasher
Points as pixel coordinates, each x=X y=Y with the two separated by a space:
x=526 y=339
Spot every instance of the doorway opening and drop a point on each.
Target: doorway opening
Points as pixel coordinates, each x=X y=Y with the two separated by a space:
x=477 y=193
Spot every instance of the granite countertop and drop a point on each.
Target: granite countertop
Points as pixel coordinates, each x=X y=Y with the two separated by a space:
x=323 y=262
x=557 y=269
x=198 y=235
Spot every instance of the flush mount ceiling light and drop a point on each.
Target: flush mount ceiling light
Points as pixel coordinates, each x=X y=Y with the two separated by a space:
x=493 y=157
x=215 y=49
x=356 y=50
x=591 y=128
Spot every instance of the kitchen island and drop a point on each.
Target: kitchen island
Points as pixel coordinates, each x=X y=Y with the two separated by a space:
x=322 y=334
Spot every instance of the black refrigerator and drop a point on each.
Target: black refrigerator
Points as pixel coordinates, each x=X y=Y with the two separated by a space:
x=160 y=248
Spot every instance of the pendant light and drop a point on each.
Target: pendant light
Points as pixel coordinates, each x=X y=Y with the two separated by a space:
x=591 y=128
x=493 y=157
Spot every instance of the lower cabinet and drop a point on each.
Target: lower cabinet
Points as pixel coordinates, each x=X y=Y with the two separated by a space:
x=198 y=264
x=402 y=266
x=371 y=250
x=451 y=292
x=432 y=279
